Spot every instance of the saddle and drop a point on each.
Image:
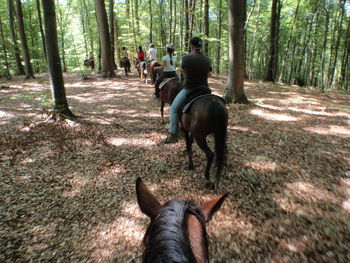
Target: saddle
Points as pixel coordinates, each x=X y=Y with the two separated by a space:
x=195 y=95
x=164 y=82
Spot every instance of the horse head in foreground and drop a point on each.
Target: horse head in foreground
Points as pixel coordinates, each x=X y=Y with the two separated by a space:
x=177 y=231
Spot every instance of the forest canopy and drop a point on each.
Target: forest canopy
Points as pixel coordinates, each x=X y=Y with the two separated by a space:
x=311 y=38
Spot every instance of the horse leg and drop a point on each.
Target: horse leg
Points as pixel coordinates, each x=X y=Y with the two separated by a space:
x=189 y=141
x=202 y=144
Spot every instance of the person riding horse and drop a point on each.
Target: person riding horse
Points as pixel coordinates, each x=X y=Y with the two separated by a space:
x=125 y=62
x=151 y=54
x=168 y=68
x=196 y=68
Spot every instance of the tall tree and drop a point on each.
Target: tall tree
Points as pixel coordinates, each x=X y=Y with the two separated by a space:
x=111 y=31
x=25 y=49
x=53 y=60
x=41 y=27
x=7 y=70
x=20 y=69
x=106 y=63
x=272 y=63
x=235 y=80
x=206 y=25
x=218 y=35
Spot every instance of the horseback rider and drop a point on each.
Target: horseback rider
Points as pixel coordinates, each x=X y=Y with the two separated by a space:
x=168 y=67
x=151 y=53
x=140 y=55
x=196 y=68
x=125 y=53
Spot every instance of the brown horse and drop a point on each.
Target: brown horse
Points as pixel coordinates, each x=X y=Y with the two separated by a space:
x=177 y=232
x=125 y=63
x=141 y=66
x=168 y=93
x=152 y=72
x=89 y=63
x=207 y=115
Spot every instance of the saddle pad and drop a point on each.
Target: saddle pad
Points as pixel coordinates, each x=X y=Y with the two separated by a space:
x=187 y=106
x=165 y=81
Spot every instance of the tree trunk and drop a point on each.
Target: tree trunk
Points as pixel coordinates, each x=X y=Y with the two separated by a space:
x=106 y=65
x=219 y=28
x=111 y=31
x=20 y=69
x=151 y=20
x=7 y=70
x=53 y=60
x=271 y=66
x=187 y=26
x=206 y=25
x=345 y=68
x=235 y=80
x=324 y=49
x=287 y=52
x=333 y=62
x=25 y=49
x=117 y=45
x=41 y=28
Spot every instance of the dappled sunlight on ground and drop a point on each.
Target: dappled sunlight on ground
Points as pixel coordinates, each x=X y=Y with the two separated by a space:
x=340 y=131
x=273 y=116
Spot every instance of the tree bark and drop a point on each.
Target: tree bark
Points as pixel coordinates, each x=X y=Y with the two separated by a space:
x=7 y=70
x=20 y=69
x=106 y=63
x=235 y=80
x=271 y=66
x=41 y=28
x=111 y=31
x=25 y=49
x=54 y=64
x=206 y=25
x=219 y=28
x=151 y=21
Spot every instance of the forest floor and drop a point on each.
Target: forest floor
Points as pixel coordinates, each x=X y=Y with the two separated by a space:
x=68 y=189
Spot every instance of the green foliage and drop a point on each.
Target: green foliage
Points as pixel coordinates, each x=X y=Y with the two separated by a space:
x=308 y=48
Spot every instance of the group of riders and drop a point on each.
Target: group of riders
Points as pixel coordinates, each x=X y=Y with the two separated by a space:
x=195 y=68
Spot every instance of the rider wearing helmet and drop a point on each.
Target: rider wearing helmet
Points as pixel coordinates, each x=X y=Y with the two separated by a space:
x=151 y=53
x=168 y=67
x=196 y=68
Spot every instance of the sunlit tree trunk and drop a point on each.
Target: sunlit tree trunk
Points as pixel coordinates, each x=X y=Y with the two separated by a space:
x=111 y=31
x=53 y=60
x=106 y=63
x=206 y=25
x=151 y=21
x=41 y=28
x=22 y=33
x=235 y=81
x=20 y=69
x=7 y=70
x=219 y=28
x=272 y=63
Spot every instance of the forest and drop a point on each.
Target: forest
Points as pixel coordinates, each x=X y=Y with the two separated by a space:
x=302 y=42
x=78 y=131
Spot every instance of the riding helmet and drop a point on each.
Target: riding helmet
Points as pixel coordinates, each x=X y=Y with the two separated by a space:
x=170 y=46
x=151 y=45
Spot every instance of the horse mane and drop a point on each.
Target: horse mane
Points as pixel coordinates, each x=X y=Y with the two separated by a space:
x=166 y=238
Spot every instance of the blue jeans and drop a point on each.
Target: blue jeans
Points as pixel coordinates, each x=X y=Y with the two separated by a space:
x=174 y=110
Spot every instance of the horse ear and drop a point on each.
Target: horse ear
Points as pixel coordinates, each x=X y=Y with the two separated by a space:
x=211 y=207
x=148 y=203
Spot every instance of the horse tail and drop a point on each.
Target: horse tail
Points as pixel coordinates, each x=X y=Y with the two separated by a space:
x=220 y=134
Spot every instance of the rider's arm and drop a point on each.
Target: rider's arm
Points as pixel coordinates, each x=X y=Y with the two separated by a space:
x=162 y=67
